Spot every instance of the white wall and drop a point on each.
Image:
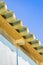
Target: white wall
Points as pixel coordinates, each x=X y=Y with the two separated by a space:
x=7 y=57
x=22 y=61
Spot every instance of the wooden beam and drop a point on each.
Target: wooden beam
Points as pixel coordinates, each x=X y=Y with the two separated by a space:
x=9 y=32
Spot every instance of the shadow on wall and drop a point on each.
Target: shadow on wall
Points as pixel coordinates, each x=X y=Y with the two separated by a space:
x=8 y=54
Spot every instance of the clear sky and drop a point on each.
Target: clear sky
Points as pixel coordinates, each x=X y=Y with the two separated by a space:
x=31 y=13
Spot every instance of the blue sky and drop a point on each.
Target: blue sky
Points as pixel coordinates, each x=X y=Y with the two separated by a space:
x=31 y=13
